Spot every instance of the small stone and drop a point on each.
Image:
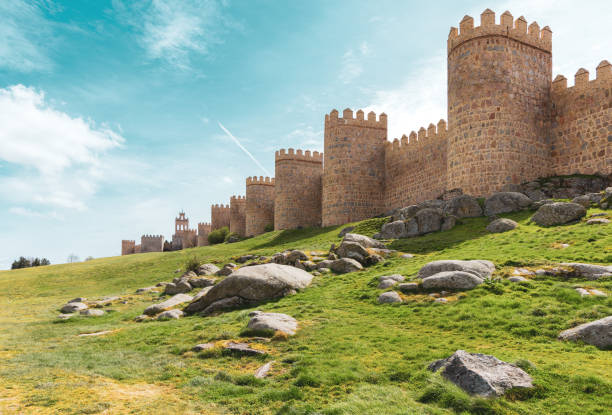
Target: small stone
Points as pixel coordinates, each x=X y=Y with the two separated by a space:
x=203 y=346
x=243 y=349
x=171 y=302
x=501 y=225
x=540 y=272
x=408 y=287
x=582 y=292
x=77 y=300
x=597 y=221
x=64 y=316
x=389 y=297
x=324 y=270
x=73 y=307
x=207 y=269
x=146 y=289
x=98 y=333
x=394 y=277
x=452 y=280
x=406 y=256
x=386 y=284
x=92 y=312
x=262 y=372
x=170 y=315
x=517 y=278
x=141 y=317
x=440 y=300
x=598 y=293
x=273 y=322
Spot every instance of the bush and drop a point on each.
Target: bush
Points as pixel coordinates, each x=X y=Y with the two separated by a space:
x=192 y=264
x=269 y=228
x=24 y=262
x=218 y=235
x=232 y=237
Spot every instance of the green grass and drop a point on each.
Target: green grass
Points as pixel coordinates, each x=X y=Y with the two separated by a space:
x=350 y=356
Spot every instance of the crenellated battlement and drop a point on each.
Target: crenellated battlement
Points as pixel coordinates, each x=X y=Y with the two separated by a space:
x=237 y=199
x=220 y=206
x=291 y=154
x=581 y=79
x=417 y=140
x=517 y=29
x=152 y=236
x=332 y=119
x=266 y=181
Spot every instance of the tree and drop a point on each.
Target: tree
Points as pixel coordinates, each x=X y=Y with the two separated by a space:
x=22 y=262
x=89 y=258
x=73 y=258
x=45 y=261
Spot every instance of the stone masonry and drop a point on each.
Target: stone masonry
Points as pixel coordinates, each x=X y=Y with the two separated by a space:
x=259 y=204
x=297 y=202
x=508 y=123
x=238 y=215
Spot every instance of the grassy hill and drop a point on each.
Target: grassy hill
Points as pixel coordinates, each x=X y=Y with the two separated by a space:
x=350 y=356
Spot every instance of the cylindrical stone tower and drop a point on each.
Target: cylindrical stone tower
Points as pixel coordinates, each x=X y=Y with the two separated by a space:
x=238 y=215
x=298 y=189
x=219 y=216
x=354 y=167
x=499 y=79
x=259 y=205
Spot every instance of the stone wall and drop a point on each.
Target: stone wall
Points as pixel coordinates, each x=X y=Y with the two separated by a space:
x=259 y=204
x=499 y=80
x=203 y=232
x=238 y=215
x=354 y=176
x=297 y=188
x=582 y=123
x=152 y=243
x=127 y=247
x=416 y=167
x=219 y=216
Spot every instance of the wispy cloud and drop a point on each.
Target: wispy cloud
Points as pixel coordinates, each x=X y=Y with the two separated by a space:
x=26 y=35
x=53 y=158
x=352 y=63
x=307 y=138
x=247 y=152
x=176 y=30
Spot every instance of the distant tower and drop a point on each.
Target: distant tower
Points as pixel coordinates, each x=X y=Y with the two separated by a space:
x=203 y=231
x=152 y=243
x=238 y=215
x=220 y=216
x=354 y=167
x=499 y=79
x=298 y=189
x=183 y=236
x=181 y=223
x=259 y=204
x=128 y=247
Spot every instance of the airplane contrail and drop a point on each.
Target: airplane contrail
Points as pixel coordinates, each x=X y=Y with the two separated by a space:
x=230 y=135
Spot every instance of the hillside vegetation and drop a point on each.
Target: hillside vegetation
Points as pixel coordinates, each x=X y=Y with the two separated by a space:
x=351 y=354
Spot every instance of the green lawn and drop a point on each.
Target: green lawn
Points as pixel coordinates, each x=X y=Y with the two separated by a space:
x=350 y=356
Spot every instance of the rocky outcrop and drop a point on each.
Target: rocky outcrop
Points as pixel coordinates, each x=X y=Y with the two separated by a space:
x=165 y=305
x=558 y=213
x=588 y=271
x=501 y=225
x=251 y=285
x=272 y=322
x=170 y=315
x=208 y=269
x=597 y=333
x=464 y=206
x=506 y=202
x=363 y=240
x=424 y=221
x=344 y=265
x=481 y=268
x=561 y=187
x=452 y=281
x=481 y=374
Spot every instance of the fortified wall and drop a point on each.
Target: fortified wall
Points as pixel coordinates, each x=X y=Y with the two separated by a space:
x=204 y=230
x=151 y=243
x=508 y=123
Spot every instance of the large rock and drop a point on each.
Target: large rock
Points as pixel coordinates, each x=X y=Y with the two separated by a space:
x=363 y=240
x=428 y=220
x=558 y=213
x=481 y=374
x=452 y=280
x=226 y=270
x=464 y=206
x=506 y=202
x=254 y=284
x=588 y=199
x=182 y=286
x=405 y=213
x=345 y=265
x=588 y=271
x=501 y=225
x=201 y=282
x=169 y=303
x=481 y=268
x=598 y=333
x=208 y=269
x=352 y=250
x=73 y=307
x=393 y=230
x=170 y=315
x=273 y=322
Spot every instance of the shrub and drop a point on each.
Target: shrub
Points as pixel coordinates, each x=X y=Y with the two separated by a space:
x=218 y=235
x=269 y=228
x=232 y=237
x=192 y=264
x=24 y=262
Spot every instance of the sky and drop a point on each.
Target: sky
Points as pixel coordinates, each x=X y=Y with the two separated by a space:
x=117 y=114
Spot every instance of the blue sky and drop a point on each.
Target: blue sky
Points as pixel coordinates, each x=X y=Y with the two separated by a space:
x=110 y=109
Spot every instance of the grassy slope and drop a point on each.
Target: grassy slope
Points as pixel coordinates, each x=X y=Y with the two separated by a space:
x=351 y=354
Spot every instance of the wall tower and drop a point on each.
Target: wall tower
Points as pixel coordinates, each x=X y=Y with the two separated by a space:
x=128 y=247
x=297 y=189
x=238 y=215
x=152 y=243
x=354 y=167
x=259 y=204
x=219 y=216
x=203 y=231
x=499 y=78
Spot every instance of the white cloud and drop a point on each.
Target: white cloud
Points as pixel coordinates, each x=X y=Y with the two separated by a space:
x=174 y=30
x=306 y=138
x=23 y=31
x=352 y=63
x=54 y=159
x=418 y=101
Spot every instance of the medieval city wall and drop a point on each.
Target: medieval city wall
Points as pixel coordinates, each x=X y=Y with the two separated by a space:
x=238 y=215
x=127 y=247
x=498 y=103
x=259 y=204
x=297 y=187
x=354 y=160
x=219 y=216
x=582 y=123
x=203 y=232
x=152 y=243
x=416 y=166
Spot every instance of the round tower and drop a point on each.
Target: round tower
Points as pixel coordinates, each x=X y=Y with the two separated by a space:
x=259 y=205
x=297 y=189
x=354 y=167
x=499 y=78
x=238 y=215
